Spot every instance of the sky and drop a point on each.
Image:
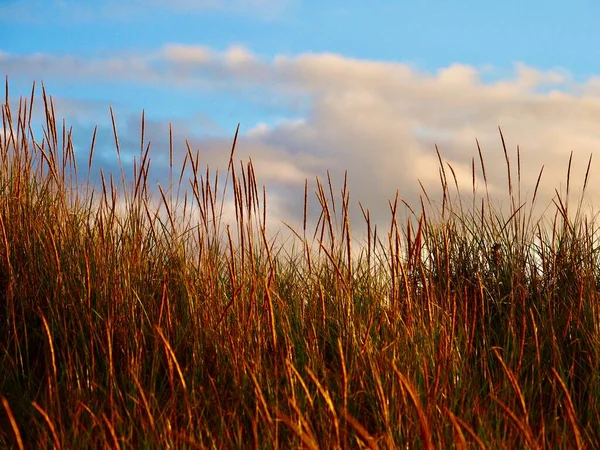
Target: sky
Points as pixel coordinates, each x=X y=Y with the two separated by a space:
x=367 y=88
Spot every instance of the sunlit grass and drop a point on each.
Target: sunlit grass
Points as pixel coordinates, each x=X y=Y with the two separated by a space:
x=133 y=320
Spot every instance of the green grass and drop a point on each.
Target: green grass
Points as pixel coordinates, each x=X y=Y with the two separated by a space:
x=132 y=321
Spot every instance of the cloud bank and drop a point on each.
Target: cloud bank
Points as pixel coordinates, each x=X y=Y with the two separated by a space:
x=379 y=121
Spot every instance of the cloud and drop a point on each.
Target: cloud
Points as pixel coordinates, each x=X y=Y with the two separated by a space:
x=223 y=5
x=32 y=11
x=379 y=121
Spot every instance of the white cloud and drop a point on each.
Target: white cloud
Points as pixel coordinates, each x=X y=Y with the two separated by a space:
x=76 y=10
x=239 y=56
x=185 y=54
x=378 y=120
x=226 y=5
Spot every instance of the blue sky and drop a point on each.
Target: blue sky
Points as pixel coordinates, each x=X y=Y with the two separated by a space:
x=367 y=87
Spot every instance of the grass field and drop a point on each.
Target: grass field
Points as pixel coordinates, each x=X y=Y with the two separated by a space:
x=131 y=320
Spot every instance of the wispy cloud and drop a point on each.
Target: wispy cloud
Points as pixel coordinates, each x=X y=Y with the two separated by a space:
x=377 y=120
x=82 y=11
x=224 y=5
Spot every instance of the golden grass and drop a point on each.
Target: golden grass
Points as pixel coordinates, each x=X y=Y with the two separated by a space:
x=127 y=321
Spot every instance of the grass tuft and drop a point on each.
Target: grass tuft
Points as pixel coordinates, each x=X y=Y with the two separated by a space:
x=133 y=320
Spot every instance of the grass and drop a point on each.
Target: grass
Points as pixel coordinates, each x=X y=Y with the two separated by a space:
x=133 y=321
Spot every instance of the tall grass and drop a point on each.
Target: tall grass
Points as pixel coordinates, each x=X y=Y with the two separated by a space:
x=132 y=320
